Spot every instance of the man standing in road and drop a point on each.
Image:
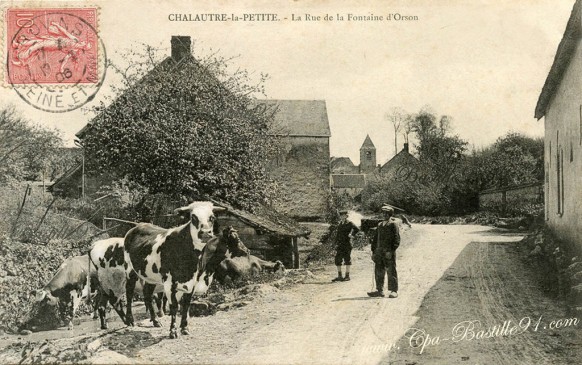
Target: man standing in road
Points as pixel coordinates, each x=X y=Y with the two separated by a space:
x=345 y=231
x=384 y=245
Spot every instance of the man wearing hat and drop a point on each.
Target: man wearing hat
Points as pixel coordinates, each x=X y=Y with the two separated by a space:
x=345 y=231
x=384 y=245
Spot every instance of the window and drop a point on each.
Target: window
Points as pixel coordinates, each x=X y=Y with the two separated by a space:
x=368 y=155
x=560 y=181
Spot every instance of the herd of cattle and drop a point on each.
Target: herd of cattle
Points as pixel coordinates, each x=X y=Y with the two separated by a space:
x=175 y=264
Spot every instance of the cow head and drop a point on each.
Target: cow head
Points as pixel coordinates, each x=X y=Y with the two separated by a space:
x=230 y=236
x=212 y=255
x=45 y=295
x=202 y=219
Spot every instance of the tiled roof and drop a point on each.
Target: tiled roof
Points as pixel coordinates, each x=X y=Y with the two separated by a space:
x=267 y=219
x=566 y=49
x=348 y=180
x=299 y=117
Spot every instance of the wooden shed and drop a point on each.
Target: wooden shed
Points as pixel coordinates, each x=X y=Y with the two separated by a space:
x=266 y=232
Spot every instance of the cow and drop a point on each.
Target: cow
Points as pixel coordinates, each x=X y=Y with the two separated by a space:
x=69 y=286
x=108 y=258
x=227 y=256
x=170 y=257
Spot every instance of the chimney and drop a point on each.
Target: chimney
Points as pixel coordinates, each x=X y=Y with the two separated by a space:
x=405 y=147
x=180 y=47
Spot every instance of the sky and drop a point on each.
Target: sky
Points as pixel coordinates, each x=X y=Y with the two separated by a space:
x=482 y=62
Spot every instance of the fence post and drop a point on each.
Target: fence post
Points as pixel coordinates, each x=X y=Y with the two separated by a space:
x=26 y=193
x=295 y=253
x=105 y=223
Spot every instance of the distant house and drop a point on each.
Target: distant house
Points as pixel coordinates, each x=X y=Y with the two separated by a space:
x=350 y=179
x=560 y=103
x=350 y=184
x=343 y=165
x=302 y=167
x=401 y=164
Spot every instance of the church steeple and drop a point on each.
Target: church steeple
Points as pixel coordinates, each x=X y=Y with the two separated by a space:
x=367 y=156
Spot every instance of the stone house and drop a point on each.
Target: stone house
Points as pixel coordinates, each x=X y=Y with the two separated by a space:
x=343 y=165
x=349 y=184
x=302 y=166
x=560 y=104
x=403 y=163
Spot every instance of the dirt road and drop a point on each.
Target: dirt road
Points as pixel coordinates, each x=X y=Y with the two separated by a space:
x=450 y=277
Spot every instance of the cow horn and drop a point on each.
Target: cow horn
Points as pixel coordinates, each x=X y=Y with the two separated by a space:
x=181 y=211
x=218 y=209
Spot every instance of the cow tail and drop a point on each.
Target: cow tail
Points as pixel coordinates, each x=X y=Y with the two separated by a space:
x=89 y=278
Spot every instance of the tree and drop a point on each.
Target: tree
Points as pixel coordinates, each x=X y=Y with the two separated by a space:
x=513 y=159
x=397 y=117
x=186 y=129
x=439 y=151
x=407 y=127
x=25 y=149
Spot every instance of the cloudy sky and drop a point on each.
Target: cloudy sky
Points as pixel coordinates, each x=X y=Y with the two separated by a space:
x=482 y=62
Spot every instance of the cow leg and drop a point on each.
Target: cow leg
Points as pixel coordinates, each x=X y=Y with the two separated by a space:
x=160 y=303
x=70 y=312
x=96 y=303
x=75 y=300
x=103 y=298
x=173 y=309
x=164 y=303
x=186 y=299
x=148 y=291
x=117 y=305
x=129 y=290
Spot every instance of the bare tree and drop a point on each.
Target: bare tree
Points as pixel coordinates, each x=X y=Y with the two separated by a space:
x=407 y=127
x=397 y=117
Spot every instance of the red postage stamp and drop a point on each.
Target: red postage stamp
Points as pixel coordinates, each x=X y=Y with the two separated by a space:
x=52 y=46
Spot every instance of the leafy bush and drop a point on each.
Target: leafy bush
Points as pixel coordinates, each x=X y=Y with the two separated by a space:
x=25 y=268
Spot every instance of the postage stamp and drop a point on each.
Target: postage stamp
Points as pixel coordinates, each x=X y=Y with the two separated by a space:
x=55 y=59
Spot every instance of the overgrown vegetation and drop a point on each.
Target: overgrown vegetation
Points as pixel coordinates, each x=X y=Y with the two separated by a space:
x=448 y=178
x=29 y=151
x=559 y=266
x=186 y=129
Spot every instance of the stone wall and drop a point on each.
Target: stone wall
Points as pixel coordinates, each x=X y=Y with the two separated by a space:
x=303 y=173
x=516 y=198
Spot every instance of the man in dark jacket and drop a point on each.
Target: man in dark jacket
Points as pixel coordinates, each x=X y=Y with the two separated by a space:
x=345 y=231
x=384 y=245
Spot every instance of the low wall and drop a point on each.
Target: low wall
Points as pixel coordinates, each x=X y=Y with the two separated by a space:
x=511 y=199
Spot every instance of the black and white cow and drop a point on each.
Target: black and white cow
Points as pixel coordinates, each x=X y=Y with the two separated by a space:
x=108 y=258
x=170 y=257
x=68 y=287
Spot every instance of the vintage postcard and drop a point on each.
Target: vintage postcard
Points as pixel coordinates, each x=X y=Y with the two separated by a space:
x=291 y=182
